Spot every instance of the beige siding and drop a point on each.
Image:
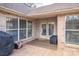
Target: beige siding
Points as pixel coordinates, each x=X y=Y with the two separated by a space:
x=2 y=23
x=35 y=29
x=61 y=28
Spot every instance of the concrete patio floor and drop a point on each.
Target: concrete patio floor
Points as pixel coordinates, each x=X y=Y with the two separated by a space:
x=44 y=48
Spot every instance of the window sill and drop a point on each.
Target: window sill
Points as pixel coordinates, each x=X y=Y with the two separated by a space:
x=23 y=39
x=72 y=45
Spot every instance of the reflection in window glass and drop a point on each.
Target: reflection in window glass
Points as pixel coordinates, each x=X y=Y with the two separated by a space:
x=14 y=33
x=23 y=31
x=29 y=32
x=51 y=29
x=72 y=32
x=12 y=27
x=12 y=23
x=22 y=23
x=29 y=28
x=43 y=29
x=72 y=22
x=22 y=34
x=72 y=37
x=29 y=24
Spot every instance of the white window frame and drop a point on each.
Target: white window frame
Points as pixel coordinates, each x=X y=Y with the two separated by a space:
x=43 y=36
x=12 y=29
x=54 y=27
x=20 y=29
x=65 y=30
x=47 y=28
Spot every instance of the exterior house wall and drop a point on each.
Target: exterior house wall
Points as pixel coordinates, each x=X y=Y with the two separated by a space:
x=2 y=23
x=37 y=26
x=61 y=28
x=61 y=19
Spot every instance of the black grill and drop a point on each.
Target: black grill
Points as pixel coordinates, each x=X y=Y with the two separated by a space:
x=53 y=40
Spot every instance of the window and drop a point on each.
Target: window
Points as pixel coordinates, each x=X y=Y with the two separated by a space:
x=22 y=29
x=29 y=28
x=51 y=29
x=12 y=23
x=12 y=27
x=47 y=29
x=14 y=33
x=22 y=24
x=72 y=29
x=19 y=28
x=43 y=29
x=22 y=34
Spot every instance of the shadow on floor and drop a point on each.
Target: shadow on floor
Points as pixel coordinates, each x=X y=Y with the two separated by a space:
x=43 y=44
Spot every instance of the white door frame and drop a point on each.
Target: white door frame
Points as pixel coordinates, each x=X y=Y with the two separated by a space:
x=43 y=36
x=47 y=26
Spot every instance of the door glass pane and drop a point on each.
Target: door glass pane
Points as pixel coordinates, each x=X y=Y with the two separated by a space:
x=14 y=33
x=51 y=29
x=43 y=29
x=12 y=23
x=22 y=34
x=72 y=37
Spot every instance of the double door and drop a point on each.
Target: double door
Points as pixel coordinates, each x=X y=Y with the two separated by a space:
x=47 y=29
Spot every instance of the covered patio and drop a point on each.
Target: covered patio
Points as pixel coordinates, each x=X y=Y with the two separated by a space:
x=44 y=48
x=43 y=28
